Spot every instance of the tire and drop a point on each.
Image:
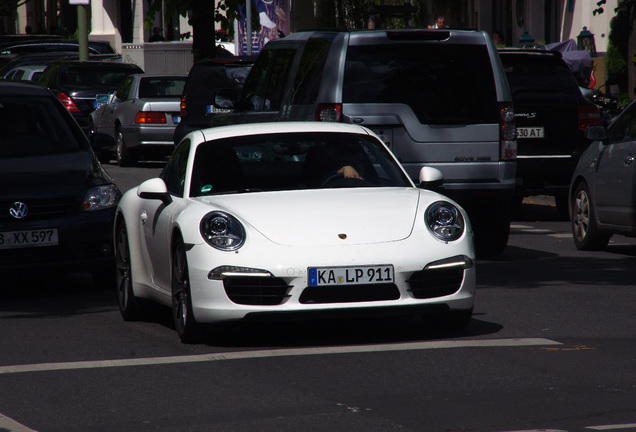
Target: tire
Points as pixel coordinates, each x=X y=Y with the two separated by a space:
x=188 y=329
x=124 y=157
x=585 y=231
x=128 y=303
x=491 y=232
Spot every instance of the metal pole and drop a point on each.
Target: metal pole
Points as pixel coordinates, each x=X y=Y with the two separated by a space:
x=248 y=25
x=82 y=29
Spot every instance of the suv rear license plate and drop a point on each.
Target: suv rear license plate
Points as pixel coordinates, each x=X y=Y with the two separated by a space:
x=530 y=132
x=30 y=238
x=321 y=276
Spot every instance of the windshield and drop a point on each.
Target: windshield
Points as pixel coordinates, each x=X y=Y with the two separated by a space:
x=289 y=161
x=532 y=75
x=32 y=126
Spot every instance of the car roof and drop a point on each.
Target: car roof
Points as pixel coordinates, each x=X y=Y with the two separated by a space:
x=280 y=127
x=220 y=61
x=145 y=75
x=529 y=52
x=97 y=63
x=396 y=34
x=23 y=88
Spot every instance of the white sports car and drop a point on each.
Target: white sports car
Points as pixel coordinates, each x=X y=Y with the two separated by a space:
x=291 y=219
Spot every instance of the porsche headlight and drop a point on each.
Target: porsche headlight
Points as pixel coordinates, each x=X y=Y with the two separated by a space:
x=222 y=231
x=100 y=197
x=445 y=221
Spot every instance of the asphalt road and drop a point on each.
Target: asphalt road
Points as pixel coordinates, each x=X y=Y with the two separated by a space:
x=551 y=347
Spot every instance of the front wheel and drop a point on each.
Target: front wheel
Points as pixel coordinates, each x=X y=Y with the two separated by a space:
x=491 y=232
x=128 y=303
x=124 y=156
x=188 y=329
x=585 y=231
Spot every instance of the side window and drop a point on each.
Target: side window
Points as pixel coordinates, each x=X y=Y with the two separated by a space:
x=175 y=171
x=124 y=89
x=266 y=84
x=309 y=76
x=624 y=129
x=47 y=79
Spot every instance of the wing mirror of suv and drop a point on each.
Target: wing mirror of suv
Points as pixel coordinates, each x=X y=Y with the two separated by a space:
x=596 y=133
x=430 y=178
x=225 y=99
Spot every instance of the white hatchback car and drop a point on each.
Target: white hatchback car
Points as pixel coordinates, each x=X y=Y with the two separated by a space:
x=291 y=219
x=602 y=191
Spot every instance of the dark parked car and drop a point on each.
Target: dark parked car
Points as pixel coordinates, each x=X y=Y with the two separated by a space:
x=57 y=204
x=204 y=79
x=15 y=61
x=76 y=83
x=551 y=115
x=141 y=116
x=52 y=45
x=603 y=189
x=437 y=98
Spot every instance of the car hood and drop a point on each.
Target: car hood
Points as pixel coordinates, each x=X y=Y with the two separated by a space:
x=324 y=217
x=50 y=176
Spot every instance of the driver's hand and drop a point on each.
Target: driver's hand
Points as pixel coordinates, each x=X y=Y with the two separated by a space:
x=349 y=172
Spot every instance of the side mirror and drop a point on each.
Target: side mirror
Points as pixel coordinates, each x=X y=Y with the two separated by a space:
x=224 y=101
x=430 y=178
x=596 y=133
x=154 y=189
x=101 y=99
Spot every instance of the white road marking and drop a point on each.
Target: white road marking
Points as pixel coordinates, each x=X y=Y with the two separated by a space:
x=7 y=424
x=42 y=367
x=613 y=427
x=561 y=235
x=540 y=430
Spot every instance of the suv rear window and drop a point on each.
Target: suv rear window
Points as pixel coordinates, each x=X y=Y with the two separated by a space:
x=538 y=74
x=449 y=84
x=91 y=77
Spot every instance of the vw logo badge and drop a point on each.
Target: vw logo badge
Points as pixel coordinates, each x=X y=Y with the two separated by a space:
x=19 y=210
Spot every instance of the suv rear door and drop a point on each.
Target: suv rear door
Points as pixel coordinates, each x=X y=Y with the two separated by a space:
x=433 y=99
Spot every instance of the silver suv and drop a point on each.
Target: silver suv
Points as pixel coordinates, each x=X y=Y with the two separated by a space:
x=437 y=97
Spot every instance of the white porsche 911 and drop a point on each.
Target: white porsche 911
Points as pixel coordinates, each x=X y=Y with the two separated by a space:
x=291 y=219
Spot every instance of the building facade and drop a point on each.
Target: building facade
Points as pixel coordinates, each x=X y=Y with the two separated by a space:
x=121 y=22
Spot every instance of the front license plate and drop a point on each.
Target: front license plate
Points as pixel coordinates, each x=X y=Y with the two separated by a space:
x=530 y=132
x=30 y=238
x=320 y=276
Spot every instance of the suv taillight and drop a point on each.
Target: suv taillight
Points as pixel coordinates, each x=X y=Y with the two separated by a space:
x=507 y=131
x=589 y=115
x=329 y=112
x=184 y=111
x=150 y=117
x=67 y=102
